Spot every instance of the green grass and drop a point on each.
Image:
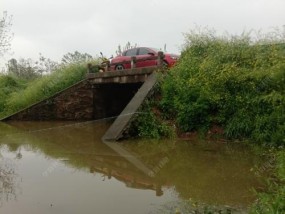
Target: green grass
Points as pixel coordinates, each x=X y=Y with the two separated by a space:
x=40 y=88
x=272 y=201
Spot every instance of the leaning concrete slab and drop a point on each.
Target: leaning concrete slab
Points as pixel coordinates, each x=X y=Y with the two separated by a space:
x=120 y=124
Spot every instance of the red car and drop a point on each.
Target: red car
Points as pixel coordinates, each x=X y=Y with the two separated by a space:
x=145 y=57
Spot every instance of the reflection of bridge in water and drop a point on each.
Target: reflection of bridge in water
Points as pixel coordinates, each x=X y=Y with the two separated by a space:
x=81 y=146
x=125 y=172
x=213 y=173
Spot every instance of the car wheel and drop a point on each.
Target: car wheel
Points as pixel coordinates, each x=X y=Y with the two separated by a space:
x=119 y=67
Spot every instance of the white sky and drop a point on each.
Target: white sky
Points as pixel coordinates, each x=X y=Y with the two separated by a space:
x=56 y=27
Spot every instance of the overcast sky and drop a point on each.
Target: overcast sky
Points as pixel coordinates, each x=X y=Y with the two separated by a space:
x=55 y=27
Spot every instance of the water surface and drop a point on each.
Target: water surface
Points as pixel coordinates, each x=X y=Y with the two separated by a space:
x=65 y=168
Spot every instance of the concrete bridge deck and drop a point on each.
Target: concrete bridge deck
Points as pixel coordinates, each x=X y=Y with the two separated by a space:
x=124 y=76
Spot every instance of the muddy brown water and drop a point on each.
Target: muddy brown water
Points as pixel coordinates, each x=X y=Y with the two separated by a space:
x=65 y=168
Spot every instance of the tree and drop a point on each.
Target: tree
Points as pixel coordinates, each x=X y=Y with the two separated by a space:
x=5 y=34
x=45 y=65
x=23 y=68
x=30 y=69
x=76 y=57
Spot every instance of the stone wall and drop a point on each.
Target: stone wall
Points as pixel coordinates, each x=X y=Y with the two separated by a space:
x=83 y=101
x=73 y=103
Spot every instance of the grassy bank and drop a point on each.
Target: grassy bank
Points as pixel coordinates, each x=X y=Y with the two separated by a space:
x=273 y=199
x=17 y=94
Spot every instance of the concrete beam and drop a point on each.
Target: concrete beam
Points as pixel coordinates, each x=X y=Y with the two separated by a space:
x=124 y=76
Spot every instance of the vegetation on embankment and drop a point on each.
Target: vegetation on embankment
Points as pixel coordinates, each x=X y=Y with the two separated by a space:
x=9 y=85
x=234 y=83
x=273 y=199
x=17 y=94
x=229 y=82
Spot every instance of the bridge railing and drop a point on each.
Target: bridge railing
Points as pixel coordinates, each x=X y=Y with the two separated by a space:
x=106 y=65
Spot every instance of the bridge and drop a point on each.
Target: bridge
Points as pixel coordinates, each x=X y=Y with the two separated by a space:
x=98 y=96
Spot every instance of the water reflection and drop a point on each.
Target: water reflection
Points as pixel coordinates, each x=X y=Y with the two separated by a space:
x=208 y=173
x=8 y=180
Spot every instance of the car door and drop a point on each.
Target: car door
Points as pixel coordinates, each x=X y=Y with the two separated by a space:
x=146 y=58
x=127 y=57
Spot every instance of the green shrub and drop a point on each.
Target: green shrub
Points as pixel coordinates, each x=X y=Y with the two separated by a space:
x=148 y=123
x=8 y=85
x=231 y=82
